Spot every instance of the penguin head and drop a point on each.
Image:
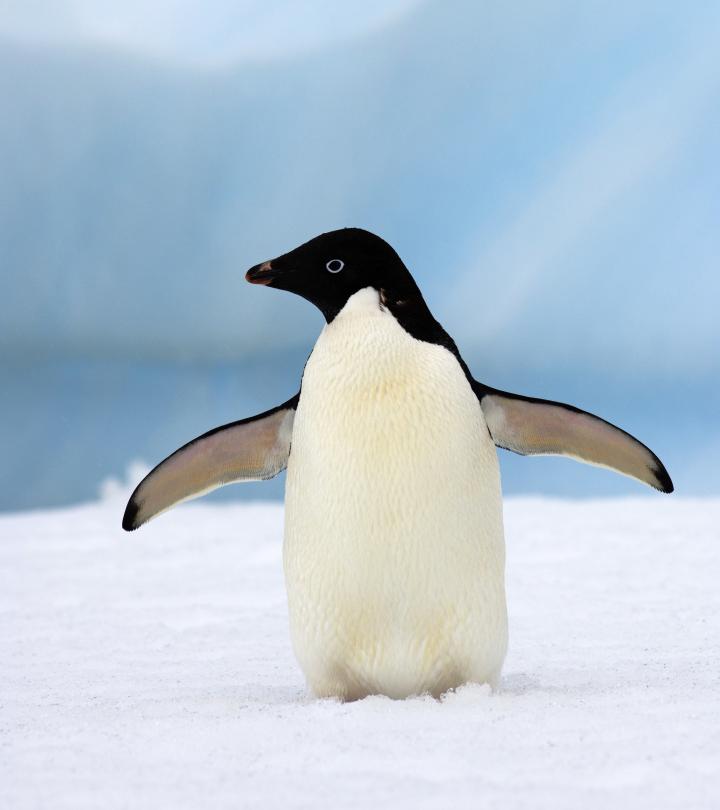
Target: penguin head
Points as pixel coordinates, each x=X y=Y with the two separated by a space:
x=330 y=268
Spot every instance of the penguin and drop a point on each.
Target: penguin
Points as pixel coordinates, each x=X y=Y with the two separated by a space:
x=394 y=551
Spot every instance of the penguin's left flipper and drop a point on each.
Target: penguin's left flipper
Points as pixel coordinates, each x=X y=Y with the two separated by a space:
x=535 y=427
x=252 y=449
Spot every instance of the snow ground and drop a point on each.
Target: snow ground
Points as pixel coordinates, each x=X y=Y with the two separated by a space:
x=154 y=670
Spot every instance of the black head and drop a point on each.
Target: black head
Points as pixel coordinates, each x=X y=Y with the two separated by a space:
x=330 y=268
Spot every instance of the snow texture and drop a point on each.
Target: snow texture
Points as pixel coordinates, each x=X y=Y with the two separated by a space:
x=154 y=670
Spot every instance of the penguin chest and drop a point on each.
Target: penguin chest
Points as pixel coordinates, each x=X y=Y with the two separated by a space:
x=394 y=553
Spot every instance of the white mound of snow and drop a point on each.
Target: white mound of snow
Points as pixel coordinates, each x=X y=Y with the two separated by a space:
x=154 y=670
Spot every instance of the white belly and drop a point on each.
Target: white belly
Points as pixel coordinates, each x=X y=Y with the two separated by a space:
x=394 y=553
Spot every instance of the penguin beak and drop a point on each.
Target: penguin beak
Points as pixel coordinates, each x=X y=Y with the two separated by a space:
x=261 y=274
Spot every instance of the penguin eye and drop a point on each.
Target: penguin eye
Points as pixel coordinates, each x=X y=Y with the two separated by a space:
x=335 y=265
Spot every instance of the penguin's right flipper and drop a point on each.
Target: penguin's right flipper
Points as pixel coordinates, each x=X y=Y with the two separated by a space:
x=540 y=427
x=252 y=449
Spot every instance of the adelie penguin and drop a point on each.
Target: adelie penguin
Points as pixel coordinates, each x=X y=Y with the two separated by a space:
x=394 y=552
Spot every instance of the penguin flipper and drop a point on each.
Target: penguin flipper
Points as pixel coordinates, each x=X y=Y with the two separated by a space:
x=252 y=449
x=535 y=427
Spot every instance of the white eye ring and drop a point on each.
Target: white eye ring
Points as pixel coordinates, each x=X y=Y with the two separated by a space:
x=335 y=265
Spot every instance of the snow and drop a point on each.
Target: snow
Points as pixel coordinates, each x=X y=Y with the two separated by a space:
x=154 y=670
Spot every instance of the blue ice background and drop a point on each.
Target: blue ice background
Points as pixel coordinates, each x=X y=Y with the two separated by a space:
x=549 y=172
